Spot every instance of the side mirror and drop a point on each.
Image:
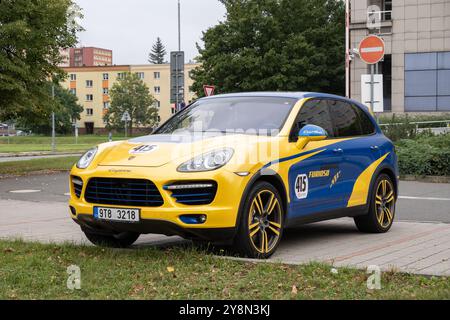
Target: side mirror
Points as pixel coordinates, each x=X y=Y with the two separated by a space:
x=310 y=133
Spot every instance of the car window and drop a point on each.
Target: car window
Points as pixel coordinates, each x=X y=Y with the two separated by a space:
x=250 y=115
x=367 y=126
x=345 y=119
x=313 y=112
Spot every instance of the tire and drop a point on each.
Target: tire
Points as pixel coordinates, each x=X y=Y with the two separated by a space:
x=260 y=231
x=381 y=208
x=120 y=240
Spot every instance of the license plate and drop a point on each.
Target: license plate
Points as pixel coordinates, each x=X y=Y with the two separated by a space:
x=116 y=214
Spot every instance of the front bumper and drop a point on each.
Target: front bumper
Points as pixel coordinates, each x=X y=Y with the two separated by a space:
x=221 y=214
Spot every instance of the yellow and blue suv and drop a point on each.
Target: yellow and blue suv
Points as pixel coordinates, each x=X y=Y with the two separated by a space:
x=239 y=169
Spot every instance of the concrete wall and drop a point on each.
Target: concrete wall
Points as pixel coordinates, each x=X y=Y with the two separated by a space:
x=417 y=26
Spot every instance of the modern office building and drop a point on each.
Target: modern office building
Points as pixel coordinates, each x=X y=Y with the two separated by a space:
x=416 y=67
x=92 y=85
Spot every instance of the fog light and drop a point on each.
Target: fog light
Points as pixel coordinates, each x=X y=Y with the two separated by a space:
x=193 y=219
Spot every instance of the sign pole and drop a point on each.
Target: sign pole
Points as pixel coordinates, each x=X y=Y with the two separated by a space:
x=347 y=48
x=126 y=128
x=372 y=87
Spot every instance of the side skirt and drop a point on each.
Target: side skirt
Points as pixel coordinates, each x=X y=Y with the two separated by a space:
x=328 y=215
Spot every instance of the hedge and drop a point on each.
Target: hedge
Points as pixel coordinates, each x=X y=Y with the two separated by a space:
x=425 y=156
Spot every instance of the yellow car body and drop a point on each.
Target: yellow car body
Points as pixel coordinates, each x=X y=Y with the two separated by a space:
x=234 y=180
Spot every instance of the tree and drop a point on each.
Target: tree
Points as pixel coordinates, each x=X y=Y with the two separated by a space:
x=32 y=32
x=66 y=108
x=131 y=94
x=279 y=45
x=158 y=53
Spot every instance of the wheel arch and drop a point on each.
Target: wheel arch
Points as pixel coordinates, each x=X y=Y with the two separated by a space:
x=271 y=177
x=388 y=170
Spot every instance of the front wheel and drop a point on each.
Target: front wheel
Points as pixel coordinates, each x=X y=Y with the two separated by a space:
x=119 y=240
x=381 y=209
x=261 y=222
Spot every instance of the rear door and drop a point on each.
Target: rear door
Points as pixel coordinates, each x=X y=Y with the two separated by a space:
x=310 y=179
x=362 y=148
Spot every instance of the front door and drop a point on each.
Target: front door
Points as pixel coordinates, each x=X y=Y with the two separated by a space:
x=89 y=126
x=314 y=181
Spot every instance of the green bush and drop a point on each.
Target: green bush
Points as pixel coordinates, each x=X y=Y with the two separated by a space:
x=403 y=127
x=425 y=156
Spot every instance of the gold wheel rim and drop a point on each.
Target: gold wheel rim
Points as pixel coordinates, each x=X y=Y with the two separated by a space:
x=264 y=221
x=385 y=203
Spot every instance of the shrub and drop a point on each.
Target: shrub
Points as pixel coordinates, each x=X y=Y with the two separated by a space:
x=427 y=155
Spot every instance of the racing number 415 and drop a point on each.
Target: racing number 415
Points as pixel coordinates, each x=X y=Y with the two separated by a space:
x=301 y=186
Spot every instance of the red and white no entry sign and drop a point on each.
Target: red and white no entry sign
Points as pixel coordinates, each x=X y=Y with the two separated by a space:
x=371 y=49
x=209 y=90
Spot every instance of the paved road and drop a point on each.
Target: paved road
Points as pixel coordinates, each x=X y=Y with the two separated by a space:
x=425 y=202
x=411 y=246
x=31 y=157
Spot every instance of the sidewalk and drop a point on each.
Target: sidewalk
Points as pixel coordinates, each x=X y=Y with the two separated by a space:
x=420 y=248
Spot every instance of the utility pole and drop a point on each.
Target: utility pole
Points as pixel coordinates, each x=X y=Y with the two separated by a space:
x=177 y=89
x=53 y=121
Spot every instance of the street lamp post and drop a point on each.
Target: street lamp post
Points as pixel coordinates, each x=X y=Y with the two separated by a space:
x=53 y=121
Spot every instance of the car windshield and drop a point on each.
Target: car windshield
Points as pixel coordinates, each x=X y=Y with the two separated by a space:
x=247 y=115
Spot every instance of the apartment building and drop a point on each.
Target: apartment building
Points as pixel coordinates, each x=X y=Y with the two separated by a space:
x=416 y=67
x=92 y=86
x=90 y=57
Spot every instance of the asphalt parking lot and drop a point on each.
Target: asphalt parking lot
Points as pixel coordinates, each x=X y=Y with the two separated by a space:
x=35 y=208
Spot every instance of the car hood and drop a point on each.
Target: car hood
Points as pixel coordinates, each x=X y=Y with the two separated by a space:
x=158 y=150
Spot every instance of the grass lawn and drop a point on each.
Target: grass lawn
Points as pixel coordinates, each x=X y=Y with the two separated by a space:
x=41 y=143
x=36 y=165
x=38 y=271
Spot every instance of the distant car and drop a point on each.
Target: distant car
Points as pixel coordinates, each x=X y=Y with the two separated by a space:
x=292 y=158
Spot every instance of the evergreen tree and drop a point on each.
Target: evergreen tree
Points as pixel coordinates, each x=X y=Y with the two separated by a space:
x=158 y=53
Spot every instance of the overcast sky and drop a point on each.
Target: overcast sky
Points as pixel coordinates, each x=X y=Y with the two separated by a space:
x=130 y=27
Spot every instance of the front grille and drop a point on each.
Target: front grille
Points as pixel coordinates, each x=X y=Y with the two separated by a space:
x=196 y=193
x=123 y=192
x=77 y=184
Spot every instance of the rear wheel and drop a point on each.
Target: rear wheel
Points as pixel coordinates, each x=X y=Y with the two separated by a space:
x=382 y=207
x=261 y=222
x=119 y=240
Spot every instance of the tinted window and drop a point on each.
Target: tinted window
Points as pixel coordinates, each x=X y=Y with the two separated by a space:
x=367 y=126
x=314 y=112
x=345 y=119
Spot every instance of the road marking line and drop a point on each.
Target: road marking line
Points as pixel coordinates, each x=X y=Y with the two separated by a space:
x=423 y=198
x=24 y=191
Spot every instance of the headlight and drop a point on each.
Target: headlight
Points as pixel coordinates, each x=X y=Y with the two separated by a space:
x=208 y=161
x=87 y=158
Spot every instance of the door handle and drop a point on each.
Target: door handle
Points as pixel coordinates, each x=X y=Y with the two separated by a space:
x=339 y=150
x=374 y=148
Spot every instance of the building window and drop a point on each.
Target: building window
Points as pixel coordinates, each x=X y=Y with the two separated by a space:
x=90 y=112
x=427 y=76
x=159 y=118
x=105 y=91
x=157 y=75
x=140 y=75
x=121 y=75
x=157 y=104
x=89 y=97
x=89 y=83
x=73 y=77
x=105 y=76
x=157 y=90
x=73 y=91
x=106 y=105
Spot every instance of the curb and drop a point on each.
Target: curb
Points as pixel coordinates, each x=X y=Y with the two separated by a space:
x=427 y=179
